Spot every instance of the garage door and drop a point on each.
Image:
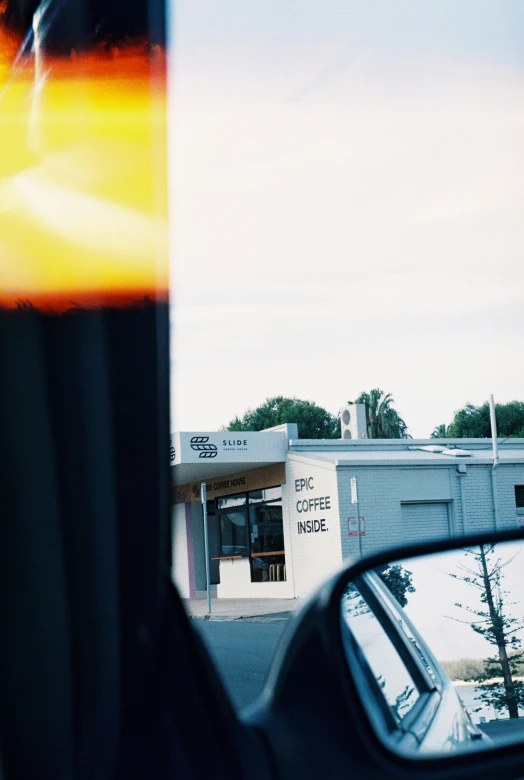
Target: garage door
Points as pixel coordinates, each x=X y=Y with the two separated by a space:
x=421 y=522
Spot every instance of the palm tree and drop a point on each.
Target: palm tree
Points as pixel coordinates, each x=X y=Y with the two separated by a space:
x=440 y=432
x=383 y=422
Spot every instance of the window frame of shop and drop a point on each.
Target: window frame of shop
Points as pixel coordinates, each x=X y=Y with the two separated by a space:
x=256 y=499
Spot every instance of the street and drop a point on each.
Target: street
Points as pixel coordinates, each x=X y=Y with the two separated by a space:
x=505 y=730
x=242 y=651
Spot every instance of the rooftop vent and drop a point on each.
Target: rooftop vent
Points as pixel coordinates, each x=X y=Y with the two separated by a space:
x=429 y=448
x=448 y=451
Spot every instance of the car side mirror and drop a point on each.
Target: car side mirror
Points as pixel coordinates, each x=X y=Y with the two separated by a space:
x=409 y=663
x=435 y=643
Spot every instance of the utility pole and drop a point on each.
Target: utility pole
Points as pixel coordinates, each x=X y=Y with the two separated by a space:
x=494 y=441
x=493 y=419
x=354 y=501
x=203 y=494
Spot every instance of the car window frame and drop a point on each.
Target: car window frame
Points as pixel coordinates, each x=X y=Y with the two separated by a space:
x=418 y=720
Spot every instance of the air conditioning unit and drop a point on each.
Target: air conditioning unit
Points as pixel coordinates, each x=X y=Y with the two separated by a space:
x=353 y=421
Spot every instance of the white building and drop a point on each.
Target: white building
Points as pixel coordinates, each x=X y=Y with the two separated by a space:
x=280 y=511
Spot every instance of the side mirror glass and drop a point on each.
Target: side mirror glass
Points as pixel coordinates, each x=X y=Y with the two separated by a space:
x=435 y=646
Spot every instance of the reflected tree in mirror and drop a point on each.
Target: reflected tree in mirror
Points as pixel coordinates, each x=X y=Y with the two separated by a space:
x=398 y=581
x=497 y=684
x=352 y=603
x=402 y=701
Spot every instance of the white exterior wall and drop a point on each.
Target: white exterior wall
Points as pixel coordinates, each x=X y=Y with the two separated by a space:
x=179 y=558
x=235 y=583
x=288 y=541
x=188 y=559
x=317 y=554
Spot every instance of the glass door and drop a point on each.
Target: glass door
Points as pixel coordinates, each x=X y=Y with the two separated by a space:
x=267 y=554
x=232 y=518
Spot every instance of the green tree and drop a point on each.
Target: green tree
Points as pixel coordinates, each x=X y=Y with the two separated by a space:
x=474 y=422
x=473 y=668
x=464 y=668
x=398 y=580
x=499 y=629
x=383 y=421
x=313 y=421
x=440 y=432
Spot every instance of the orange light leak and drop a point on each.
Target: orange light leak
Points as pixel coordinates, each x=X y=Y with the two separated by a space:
x=83 y=178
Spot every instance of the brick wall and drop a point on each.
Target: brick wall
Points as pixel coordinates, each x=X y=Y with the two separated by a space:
x=379 y=505
x=381 y=491
x=479 y=499
x=457 y=517
x=507 y=476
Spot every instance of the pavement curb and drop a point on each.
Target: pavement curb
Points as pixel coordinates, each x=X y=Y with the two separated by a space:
x=267 y=617
x=273 y=617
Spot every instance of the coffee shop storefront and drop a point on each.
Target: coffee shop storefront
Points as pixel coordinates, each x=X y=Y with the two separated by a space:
x=245 y=479
x=281 y=511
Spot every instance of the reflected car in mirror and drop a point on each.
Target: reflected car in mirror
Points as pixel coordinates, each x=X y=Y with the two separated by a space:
x=463 y=607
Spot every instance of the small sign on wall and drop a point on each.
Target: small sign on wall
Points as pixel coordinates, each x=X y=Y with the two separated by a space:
x=354 y=491
x=353 y=526
x=520 y=521
x=180 y=494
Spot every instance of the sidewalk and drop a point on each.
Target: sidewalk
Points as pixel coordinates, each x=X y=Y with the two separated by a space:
x=242 y=609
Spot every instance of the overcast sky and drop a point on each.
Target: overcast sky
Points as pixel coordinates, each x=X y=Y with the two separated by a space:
x=347 y=187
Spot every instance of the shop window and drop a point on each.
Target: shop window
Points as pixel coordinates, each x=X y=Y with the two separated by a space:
x=267 y=555
x=231 y=501
x=232 y=516
x=251 y=526
x=267 y=494
x=214 y=542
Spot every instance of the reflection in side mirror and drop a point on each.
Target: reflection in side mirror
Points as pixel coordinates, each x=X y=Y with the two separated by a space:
x=445 y=671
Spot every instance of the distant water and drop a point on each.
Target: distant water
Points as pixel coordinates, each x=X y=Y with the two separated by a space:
x=468 y=695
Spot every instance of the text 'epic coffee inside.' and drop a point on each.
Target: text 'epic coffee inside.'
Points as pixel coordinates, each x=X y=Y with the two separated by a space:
x=320 y=503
